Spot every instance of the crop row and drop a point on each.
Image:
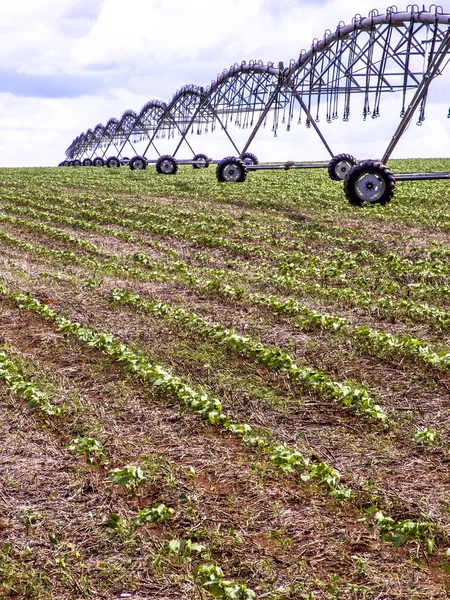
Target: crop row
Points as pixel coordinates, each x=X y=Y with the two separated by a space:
x=251 y=228
x=285 y=459
x=361 y=298
x=276 y=191
x=422 y=436
x=344 y=265
x=273 y=358
x=154 y=226
x=339 y=261
x=387 y=306
x=50 y=231
x=374 y=341
x=357 y=398
x=199 y=401
x=413 y=211
x=208 y=575
x=69 y=257
x=377 y=342
x=11 y=375
x=157 y=211
x=166 y=219
x=366 y=296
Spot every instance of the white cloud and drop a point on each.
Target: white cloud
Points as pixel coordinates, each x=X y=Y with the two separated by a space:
x=156 y=33
x=114 y=55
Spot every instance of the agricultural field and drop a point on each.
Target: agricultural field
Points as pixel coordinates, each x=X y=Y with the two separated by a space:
x=223 y=390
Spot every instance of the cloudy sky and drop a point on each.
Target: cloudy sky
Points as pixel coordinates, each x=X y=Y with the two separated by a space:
x=67 y=65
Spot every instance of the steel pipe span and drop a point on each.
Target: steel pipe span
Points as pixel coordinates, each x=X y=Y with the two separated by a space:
x=399 y=51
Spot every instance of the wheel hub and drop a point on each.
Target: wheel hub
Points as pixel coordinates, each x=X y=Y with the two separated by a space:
x=231 y=173
x=342 y=169
x=167 y=167
x=370 y=187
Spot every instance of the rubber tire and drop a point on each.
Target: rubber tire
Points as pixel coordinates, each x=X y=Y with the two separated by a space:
x=137 y=160
x=249 y=159
x=65 y=163
x=334 y=162
x=98 y=162
x=201 y=165
x=172 y=165
x=369 y=167
x=76 y=163
x=231 y=161
x=112 y=162
x=87 y=162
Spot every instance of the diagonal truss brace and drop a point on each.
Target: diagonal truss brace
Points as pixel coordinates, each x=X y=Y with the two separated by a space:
x=202 y=105
x=431 y=72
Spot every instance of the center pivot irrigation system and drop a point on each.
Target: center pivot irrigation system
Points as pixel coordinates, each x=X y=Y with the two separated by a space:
x=400 y=51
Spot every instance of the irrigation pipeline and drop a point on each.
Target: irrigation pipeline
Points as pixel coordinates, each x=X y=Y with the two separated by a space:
x=392 y=52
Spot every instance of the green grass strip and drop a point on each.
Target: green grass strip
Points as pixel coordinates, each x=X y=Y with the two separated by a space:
x=377 y=342
x=12 y=377
x=110 y=265
x=199 y=401
x=274 y=359
x=58 y=234
x=388 y=305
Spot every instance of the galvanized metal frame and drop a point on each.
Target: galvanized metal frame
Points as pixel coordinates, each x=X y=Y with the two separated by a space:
x=399 y=51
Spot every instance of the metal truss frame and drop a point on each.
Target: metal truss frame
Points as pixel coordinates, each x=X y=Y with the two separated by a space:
x=399 y=51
